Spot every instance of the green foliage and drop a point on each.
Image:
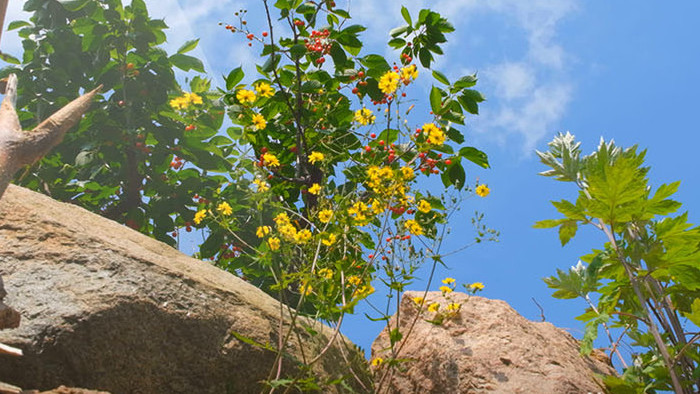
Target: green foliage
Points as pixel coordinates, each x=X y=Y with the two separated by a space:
x=122 y=160
x=646 y=273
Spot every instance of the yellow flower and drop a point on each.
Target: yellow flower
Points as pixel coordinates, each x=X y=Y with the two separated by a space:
x=262 y=231
x=482 y=190
x=224 y=208
x=179 y=103
x=407 y=173
x=315 y=189
x=259 y=122
x=418 y=300
x=325 y=273
x=271 y=160
x=358 y=212
x=330 y=240
x=364 y=290
x=245 y=96
x=274 y=243
x=288 y=231
x=264 y=89
x=377 y=206
x=448 y=281
x=262 y=185
x=282 y=218
x=434 y=307
x=477 y=286
x=413 y=227
x=354 y=280
x=389 y=82
x=194 y=98
x=364 y=116
x=409 y=73
x=325 y=215
x=377 y=361
x=307 y=289
x=302 y=236
x=446 y=289
x=199 y=216
x=424 y=206
x=315 y=156
x=433 y=134
x=453 y=306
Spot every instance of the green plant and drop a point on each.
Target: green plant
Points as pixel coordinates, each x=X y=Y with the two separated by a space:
x=313 y=193
x=122 y=160
x=645 y=280
x=333 y=163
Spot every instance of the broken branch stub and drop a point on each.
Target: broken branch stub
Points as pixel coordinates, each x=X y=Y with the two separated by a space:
x=19 y=148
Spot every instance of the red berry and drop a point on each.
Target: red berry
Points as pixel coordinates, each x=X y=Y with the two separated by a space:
x=371 y=256
x=381 y=143
x=373 y=135
x=367 y=148
x=189 y=128
x=250 y=36
x=448 y=162
x=121 y=103
x=355 y=90
x=361 y=74
x=264 y=34
x=174 y=234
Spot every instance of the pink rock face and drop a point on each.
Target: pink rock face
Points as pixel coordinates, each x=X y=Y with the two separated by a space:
x=485 y=347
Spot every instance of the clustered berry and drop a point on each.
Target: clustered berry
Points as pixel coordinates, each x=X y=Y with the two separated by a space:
x=318 y=42
x=177 y=163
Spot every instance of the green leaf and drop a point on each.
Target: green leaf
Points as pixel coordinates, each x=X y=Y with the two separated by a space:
x=397 y=43
x=568 y=284
x=406 y=15
x=591 y=333
x=567 y=230
x=297 y=51
x=17 y=24
x=465 y=82
x=7 y=58
x=399 y=31
x=440 y=77
x=475 y=156
x=435 y=100
x=455 y=135
x=694 y=315
x=74 y=5
x=395 y=335
x=549 y=223
x=569 y=210
x=186 y=63
x=470 y=100
x=188 y=46
x=234 y=77
x=456 y=175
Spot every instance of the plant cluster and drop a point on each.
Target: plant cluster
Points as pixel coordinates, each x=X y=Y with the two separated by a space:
x=314 y=194
x=644 y=280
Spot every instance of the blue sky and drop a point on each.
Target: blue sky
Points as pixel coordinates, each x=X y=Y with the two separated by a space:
x=596 y=68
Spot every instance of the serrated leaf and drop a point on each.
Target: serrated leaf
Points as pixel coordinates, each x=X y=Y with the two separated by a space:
x=569 y=210
x=591 y=333
x=548 y=223
x=694 y=315
x=567 y=230
x=188 y=46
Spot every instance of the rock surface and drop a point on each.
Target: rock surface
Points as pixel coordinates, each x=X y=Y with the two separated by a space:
x=9 y=318
x=486 y=347
x=107 y=308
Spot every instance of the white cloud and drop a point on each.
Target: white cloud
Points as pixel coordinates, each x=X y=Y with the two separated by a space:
x=529 y=92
